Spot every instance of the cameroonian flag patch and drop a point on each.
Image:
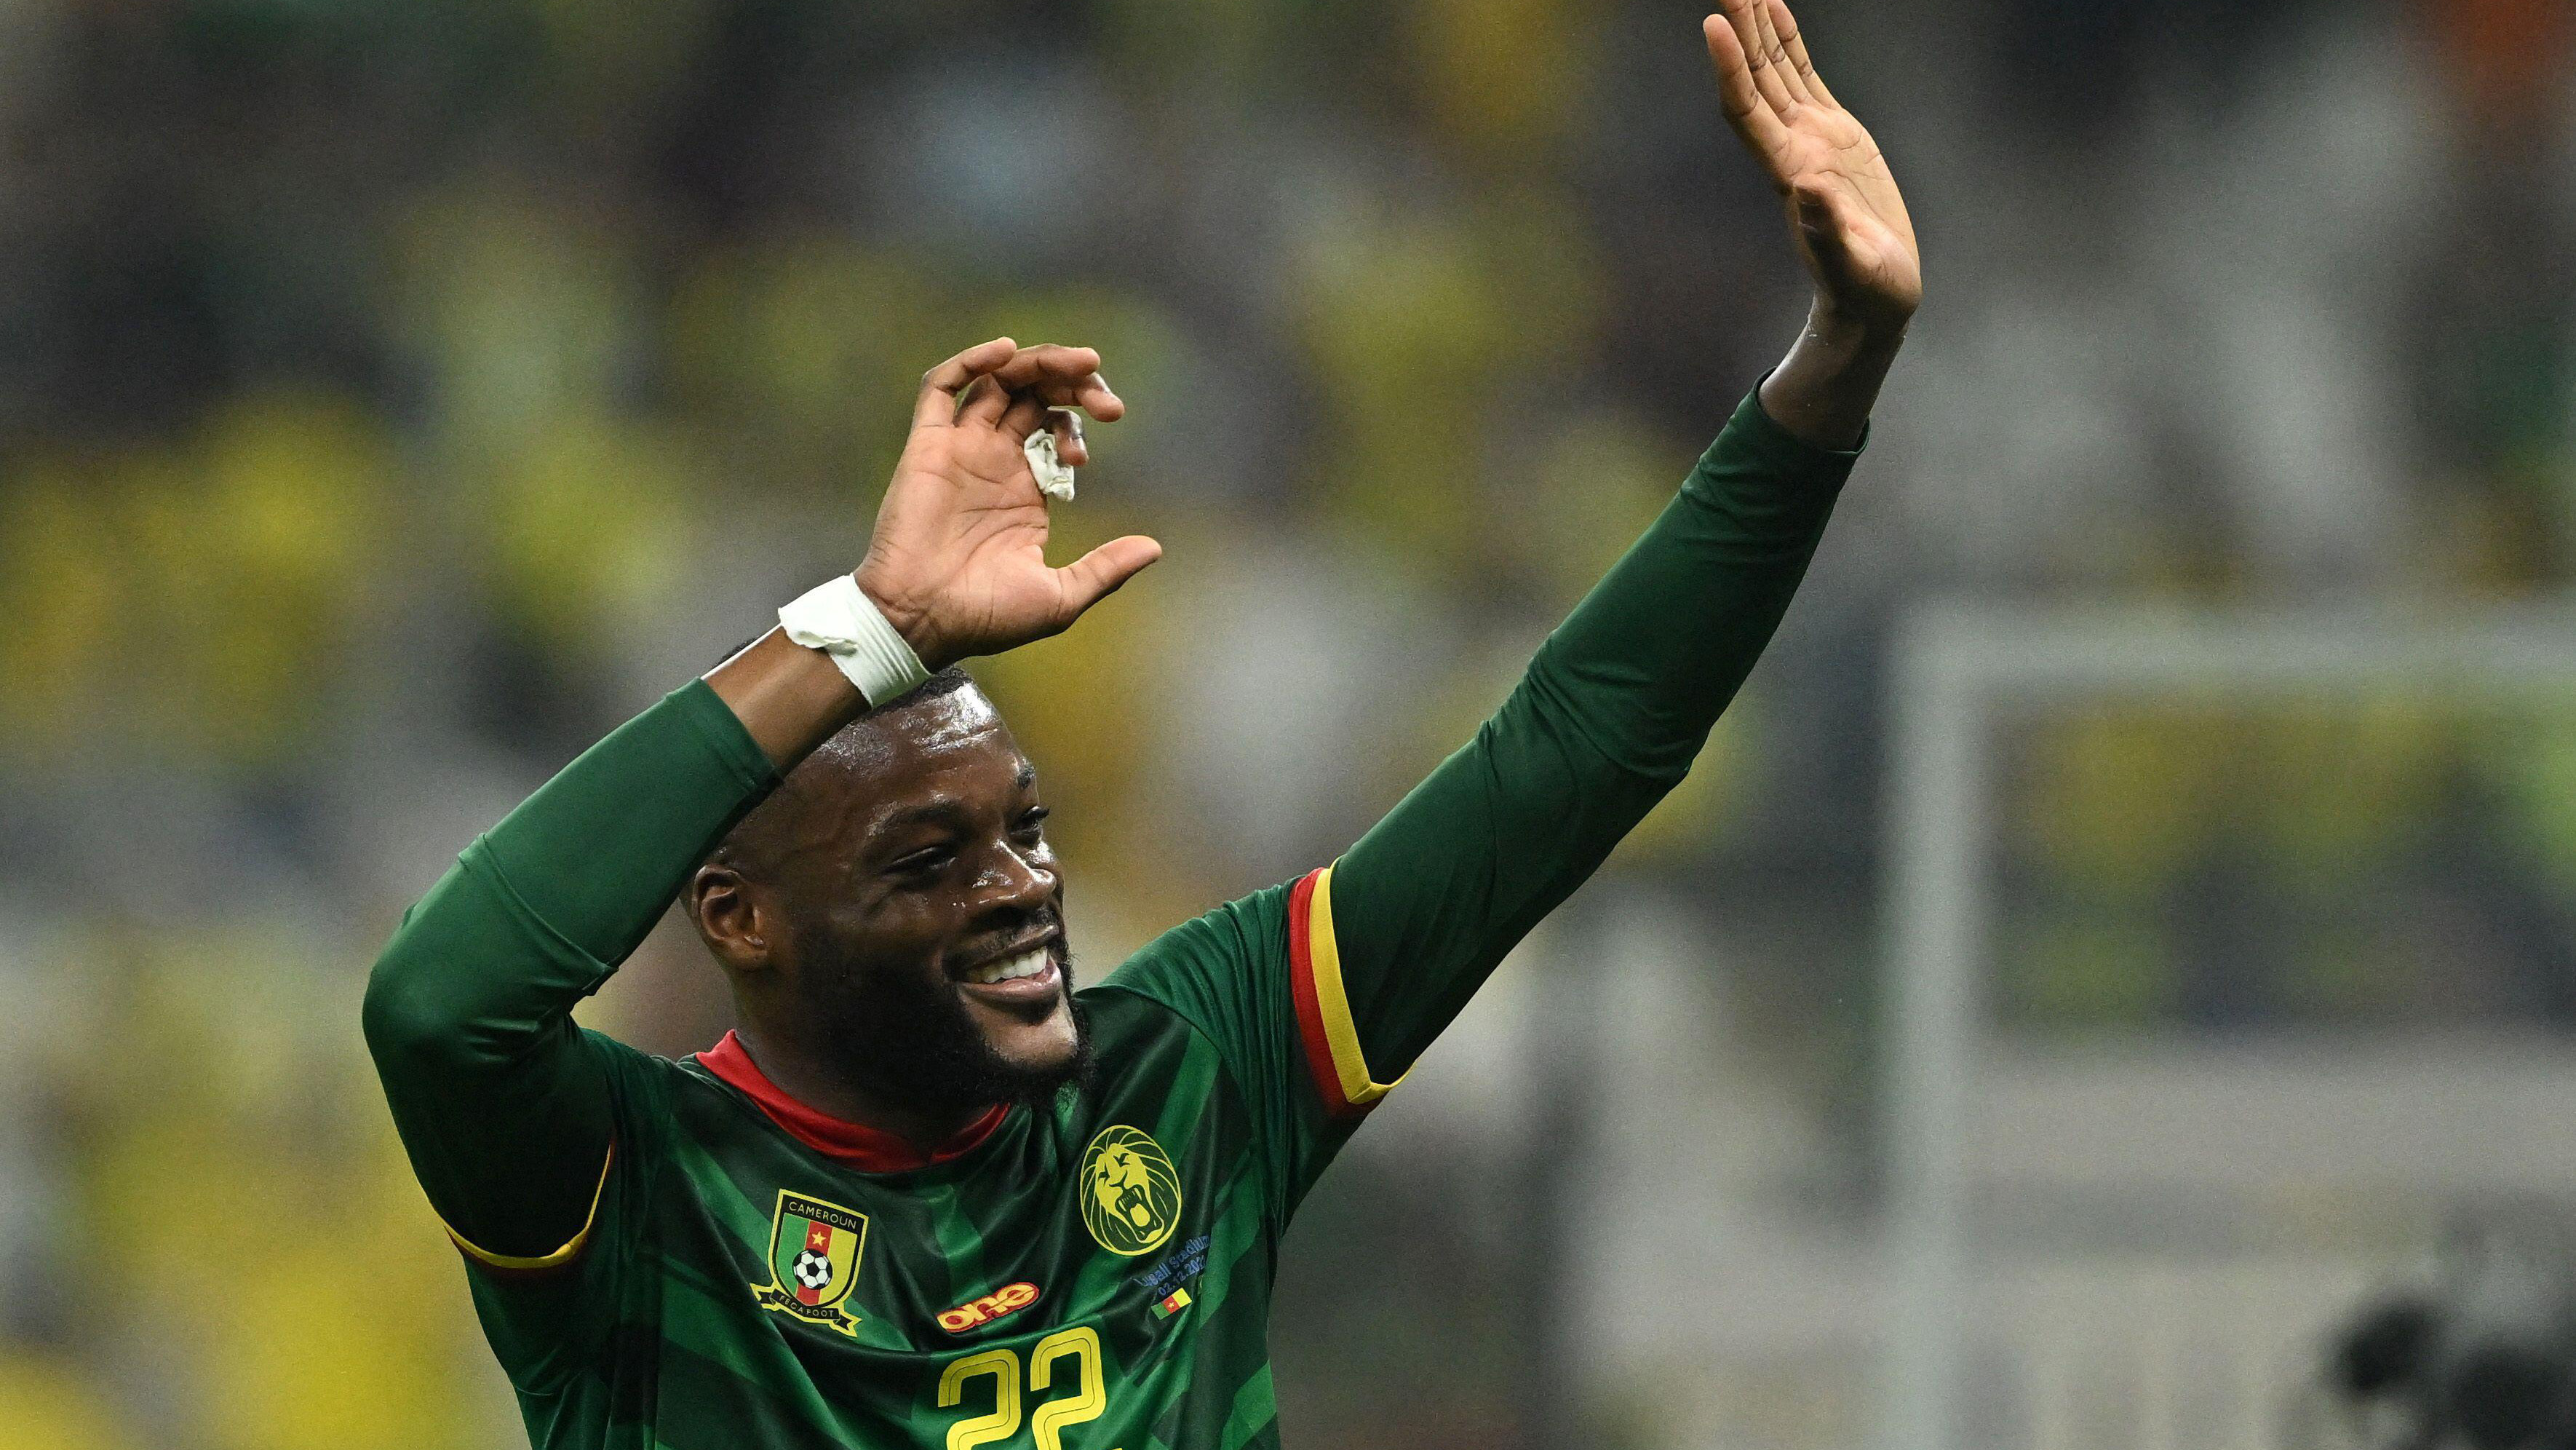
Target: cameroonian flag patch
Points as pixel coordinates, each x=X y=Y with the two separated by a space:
x=814 y=1252
x=1179 y=1300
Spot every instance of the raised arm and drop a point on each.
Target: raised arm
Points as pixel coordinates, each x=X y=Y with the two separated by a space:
x=1395 y=937
x=505 y=1108
x=1845 y=215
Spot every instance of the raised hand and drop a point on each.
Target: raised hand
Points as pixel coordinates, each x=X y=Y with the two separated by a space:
x=1844 y=209
x=958 y=559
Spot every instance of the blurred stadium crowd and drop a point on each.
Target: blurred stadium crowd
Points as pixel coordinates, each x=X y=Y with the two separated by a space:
x=397 y=396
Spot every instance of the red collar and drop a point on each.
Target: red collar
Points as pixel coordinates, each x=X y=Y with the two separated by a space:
x=870 y=1150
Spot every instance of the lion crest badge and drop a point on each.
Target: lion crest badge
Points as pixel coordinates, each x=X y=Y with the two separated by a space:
x=1131 y=1194
x=814 y=1250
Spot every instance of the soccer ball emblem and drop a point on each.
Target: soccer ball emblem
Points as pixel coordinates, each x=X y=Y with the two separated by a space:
x=812 y=1270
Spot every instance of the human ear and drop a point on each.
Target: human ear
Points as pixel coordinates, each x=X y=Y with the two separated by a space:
x=731 y=919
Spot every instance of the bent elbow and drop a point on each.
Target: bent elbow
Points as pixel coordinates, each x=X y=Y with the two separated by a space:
x=401 y=1014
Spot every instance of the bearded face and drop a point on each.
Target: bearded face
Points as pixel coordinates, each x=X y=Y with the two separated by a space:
x=906 y=1038
x=895 y=918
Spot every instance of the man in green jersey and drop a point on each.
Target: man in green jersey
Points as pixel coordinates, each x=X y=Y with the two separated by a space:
x=926 y=1194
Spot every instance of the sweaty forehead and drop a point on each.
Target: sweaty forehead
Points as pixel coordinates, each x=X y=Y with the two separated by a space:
x=945 y=757
x=931 y=745
x=960 y=719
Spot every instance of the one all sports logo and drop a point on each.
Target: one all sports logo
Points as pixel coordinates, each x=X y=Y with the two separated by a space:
x=978 y=1312
x=814 y=1250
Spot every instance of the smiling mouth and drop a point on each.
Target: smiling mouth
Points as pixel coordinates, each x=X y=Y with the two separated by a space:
x=1019 y=966
x=1025 y=980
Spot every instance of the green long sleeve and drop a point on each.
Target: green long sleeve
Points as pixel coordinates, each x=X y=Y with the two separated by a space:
x=1606 y=720
x=502 y=1103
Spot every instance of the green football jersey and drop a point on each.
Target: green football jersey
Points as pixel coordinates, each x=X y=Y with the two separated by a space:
x=678 y=1254
x=1093 y=1275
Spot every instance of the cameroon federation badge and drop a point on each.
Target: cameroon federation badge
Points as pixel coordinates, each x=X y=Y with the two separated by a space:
x=1131 y=1195
x=813 y=1261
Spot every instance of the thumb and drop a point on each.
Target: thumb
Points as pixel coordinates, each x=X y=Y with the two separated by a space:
x=1096 y=575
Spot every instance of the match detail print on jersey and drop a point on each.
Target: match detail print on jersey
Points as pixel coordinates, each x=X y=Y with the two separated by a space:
x=1131 y=1194
x=814 y=1250
x=1323 y=1009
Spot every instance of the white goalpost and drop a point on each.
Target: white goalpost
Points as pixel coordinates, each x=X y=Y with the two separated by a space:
x=2200 y=1334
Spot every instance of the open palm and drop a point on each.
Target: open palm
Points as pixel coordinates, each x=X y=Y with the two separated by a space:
x=1844 y=207
x=958 y=558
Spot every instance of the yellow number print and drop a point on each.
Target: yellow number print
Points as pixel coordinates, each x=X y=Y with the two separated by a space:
x=1004 y=1422
x=1049 y=1423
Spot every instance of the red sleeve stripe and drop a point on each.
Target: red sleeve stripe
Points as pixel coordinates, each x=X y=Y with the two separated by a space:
x=1301 y=982
x=1324 y=1023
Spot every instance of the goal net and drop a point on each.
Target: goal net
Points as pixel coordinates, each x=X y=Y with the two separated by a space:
x=2226 y=956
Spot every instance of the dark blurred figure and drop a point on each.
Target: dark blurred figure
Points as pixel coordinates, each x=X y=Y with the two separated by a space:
x=2482 y=1358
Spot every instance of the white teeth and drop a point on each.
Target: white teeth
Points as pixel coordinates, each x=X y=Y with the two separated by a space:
x=1010 y=969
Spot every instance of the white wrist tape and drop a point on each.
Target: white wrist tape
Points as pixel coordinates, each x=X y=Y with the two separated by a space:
x=845 y=624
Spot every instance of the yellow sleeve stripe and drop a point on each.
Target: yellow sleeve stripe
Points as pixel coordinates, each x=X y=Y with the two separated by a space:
x=1333 y=1005
x=516 y=1264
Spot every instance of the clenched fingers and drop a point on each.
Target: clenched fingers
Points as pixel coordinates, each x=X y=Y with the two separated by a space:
x=1064 y=376
x=943 y=386
x=1067 y=427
